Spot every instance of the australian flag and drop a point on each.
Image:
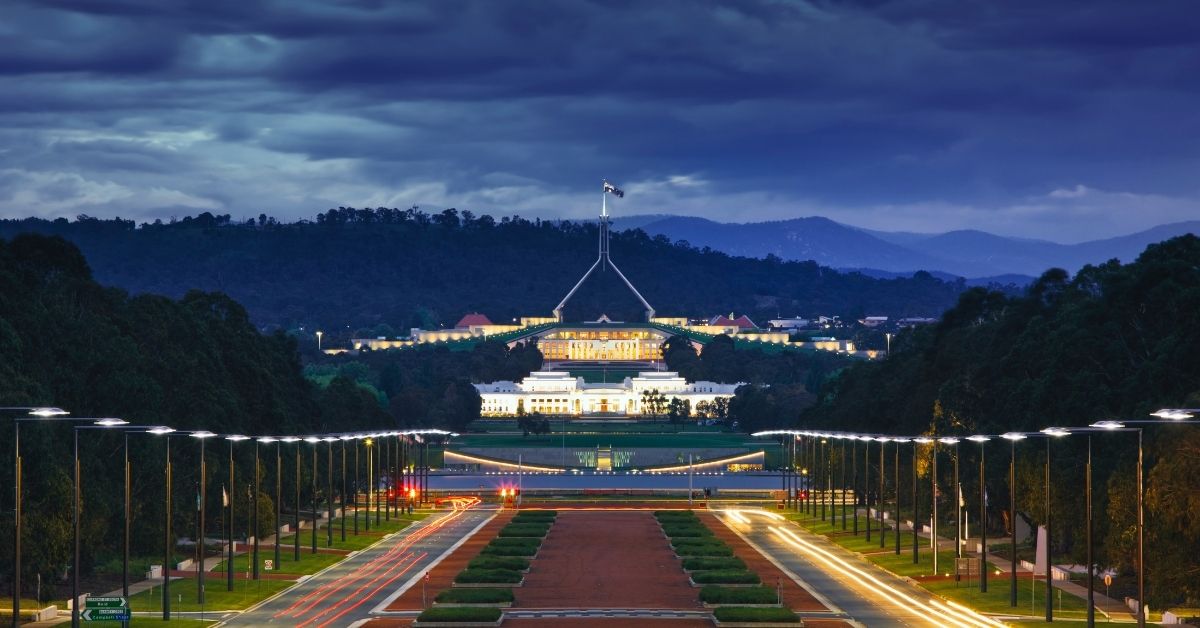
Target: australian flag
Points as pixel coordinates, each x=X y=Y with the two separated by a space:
x=617 y=192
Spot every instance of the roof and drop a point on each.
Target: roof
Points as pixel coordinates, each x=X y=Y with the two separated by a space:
x=741 y=322
x=474 y=318
x=744 y=322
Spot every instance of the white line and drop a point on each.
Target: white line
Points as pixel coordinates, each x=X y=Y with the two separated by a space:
x=306 y=577
x=417 y=577
x=788 y=572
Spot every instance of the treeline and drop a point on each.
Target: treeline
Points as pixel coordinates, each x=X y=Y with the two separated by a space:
x=424 y=386
x=779 y=386
x=360 y=268
x=1113 y=342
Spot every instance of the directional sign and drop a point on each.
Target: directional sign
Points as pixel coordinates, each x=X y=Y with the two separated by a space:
x=268 y=565
x=105 y=614
x=1108 y=580
x=105 y=602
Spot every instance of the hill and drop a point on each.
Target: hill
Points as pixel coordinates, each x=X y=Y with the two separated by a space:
x=964 y=253
x=403 y=268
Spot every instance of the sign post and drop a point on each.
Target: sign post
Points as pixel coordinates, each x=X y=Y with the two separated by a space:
x=105 y=609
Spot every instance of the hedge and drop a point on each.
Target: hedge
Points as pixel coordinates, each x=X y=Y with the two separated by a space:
x=695 y=564
x=736 y=614
x=475 y=576
x=704 y=551
x=459 y=613
x=497 y=595
x=530 y=531
x=687 y=531
x=520 y=541
x=515 y=563
x=738 y=595
x=697 y=542
x=725 y=576
x=663 y=515
x=515 y=550
x=536 y=514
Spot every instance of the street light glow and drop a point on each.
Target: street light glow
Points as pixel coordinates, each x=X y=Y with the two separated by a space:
x=267 y=439
x=202 y=434
x=923 y=440
x=948 y=440
x=1172 y=414
x=312 y=439
x=1108 y=425
x=1014 y=436
x=979 y=438
x=160 y=430
x=290 y=439
x=237 y=438
x=48 y=412
x=110 y=422
x=1056 y=431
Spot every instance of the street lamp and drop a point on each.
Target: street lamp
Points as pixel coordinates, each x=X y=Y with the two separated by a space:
x=1168 y=416
x=237 y=438
x=883 y=441
x=34 y=413
x=854 y=467
x=917 y=442
x=1050 y=433
x=97 y=424
x=296 y=511
x=1012 y=438
x=896 y=474
x=343 y=495
x=168 y=541
x=319 y=334
x=128 y=514
x=981 y=439
x=202 y=436
x=950 y=440
x=314 y=441
x=329 y=440
x=266 y=440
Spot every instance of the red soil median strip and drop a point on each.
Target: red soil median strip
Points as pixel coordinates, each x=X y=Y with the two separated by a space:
x=606 y=622
x=441 y=577
x=794 y=596
x=606 y=559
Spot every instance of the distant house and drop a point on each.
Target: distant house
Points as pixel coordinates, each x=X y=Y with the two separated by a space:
x=741 y=322
x=873 y=321
x=789 y=323
x=474 y=319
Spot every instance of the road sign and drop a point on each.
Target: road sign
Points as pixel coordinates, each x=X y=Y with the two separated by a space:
x=1108 y=580
x=105 y=602
x=105 y=614
x=268 y=565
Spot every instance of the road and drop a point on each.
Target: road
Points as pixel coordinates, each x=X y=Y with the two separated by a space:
x=845 y=582
x=348 y=591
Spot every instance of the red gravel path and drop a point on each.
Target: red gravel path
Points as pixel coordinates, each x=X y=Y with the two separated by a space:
x=606 y=559
x=614 y=622
x=794 y=596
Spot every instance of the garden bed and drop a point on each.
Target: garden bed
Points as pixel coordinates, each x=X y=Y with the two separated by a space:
x=758 y=617
x=515 y=563
x=704 y=563
x=492 y=596
x=713 y=595
x=488 y=576
x=732 y=577
x=459 y=616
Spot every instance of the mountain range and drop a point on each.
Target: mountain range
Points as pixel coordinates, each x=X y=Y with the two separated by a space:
x=976 y=255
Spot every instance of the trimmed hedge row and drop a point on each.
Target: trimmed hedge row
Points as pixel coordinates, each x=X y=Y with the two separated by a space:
x=514 y=563
x=516 y=550
x=516 y=541
x=491 y=595
x=536 y=515
x=459 y=613
x=704 y=551
x=524 y=530
x=696 y=531
x=699 y=564
x=713 y=594
x=764 y=615
x=725 y=576
x=487 y=576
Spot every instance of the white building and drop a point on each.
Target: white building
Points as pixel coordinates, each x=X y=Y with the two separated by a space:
x=558 y=392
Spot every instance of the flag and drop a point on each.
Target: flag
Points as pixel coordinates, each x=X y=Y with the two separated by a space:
x=224 y=497
x=961 y=502
x=617 y=192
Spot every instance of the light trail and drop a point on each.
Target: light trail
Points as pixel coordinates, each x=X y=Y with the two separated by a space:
x=935 y=612
x=374 y=591
x=322 y=592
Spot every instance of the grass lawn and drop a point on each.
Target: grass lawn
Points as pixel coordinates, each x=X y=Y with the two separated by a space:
x=308 y=563
x=183 y=594
x=352 y=542
x=173 y=623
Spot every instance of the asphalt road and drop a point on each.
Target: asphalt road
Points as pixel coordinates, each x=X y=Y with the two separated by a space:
x=348 y=591
x=844 y=581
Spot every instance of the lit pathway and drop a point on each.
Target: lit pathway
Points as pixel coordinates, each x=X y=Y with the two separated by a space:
x=348 y=591
x=844 y=581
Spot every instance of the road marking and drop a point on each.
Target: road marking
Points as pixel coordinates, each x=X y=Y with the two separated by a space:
x=382 y=606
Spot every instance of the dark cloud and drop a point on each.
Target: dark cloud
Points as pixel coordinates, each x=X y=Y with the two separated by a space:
x=746 y=110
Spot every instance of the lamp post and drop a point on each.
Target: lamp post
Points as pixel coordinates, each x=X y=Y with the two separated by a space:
x=319 y=335
x=950 y=440
x=128 y=510
x=356 y=467
x=32 y=414
x=296 y=510
x=1165 y=416
x=329 y=490
x=883 y=440
x=842 y=464
x=367 y=443
x=229 y=534
x=896 y=474
x=1091 y=561
x=1050 y=433
x=915 y=505
x=1012 y=438
x=278 y=489
x=168 y=540
x=933 y=495
x=75 y=502
x=981 y=439
x=343 y=495
x=202 y=436
x=867 y=481
x=854 y=467
x=314 y=441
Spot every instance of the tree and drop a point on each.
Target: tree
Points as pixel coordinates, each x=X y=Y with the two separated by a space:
x=534 y=423
x=678 y=410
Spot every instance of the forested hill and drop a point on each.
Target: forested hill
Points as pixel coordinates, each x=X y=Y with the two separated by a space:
x=1113 y=342
x=361 y=268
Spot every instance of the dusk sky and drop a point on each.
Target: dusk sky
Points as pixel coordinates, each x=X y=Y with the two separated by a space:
x=1059 y=120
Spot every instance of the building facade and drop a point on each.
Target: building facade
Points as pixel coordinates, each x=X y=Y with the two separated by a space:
x=560 y=393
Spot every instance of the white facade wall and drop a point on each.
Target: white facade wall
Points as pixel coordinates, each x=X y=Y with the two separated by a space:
x=557 y=392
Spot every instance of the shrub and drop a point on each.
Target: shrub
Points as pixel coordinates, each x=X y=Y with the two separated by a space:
x=696 y=542
x=536 y=514
x=703 y=551
x=738 y=595
x=725 y=576
x=675 y=515
x=515 y=542
x=490 y=595
x=459 y=613
x=695 y=564
x=515 y=563
x=687 y=531
x=516 y=550
x=734 y=614
x=522 y=530
x=504 y=576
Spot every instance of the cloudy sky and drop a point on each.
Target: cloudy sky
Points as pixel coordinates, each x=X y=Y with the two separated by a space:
x=1064 y=120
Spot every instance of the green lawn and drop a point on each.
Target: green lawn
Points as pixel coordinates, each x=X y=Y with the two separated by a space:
x=173 y=623
x=183 y=594
x=308 y=563
x=352 y=542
